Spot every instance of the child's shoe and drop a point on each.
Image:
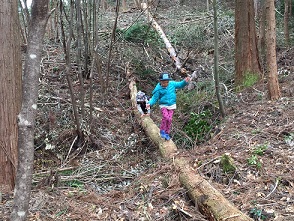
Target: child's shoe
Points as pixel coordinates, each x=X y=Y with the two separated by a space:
x=162 y=133
x=167 y=137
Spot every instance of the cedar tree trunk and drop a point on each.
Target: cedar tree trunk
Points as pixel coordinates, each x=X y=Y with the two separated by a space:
x=10 y=92
x=246 y=53
x=271 y=57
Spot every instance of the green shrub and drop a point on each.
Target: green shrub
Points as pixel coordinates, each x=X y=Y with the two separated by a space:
x=259 y=150
x=141 y=33
x=190 y=100
x=198 y=125
x=191 y=36
x=254 y=161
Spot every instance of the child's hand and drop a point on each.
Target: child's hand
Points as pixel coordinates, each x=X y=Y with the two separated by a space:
x=187 y=79
x=147 y=106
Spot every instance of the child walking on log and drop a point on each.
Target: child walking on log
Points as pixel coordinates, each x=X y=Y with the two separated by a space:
x=165 y=92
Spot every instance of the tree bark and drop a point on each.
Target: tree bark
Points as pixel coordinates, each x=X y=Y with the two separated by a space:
x=209 y=200
x=27 y=115
x=271 y=57
x=246 y=52
x=261 y=33
x=10 y=92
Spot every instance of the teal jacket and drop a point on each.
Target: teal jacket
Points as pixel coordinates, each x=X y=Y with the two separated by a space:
x=166 y=96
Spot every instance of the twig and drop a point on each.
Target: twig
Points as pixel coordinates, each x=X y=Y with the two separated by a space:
x=70 y=150
x=273 y=190
x=232 y=216
x=183 y=211
x=208 y=162
x=57 y=170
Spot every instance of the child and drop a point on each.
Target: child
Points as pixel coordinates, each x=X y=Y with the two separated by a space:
x=165 y=92
x=142 y=99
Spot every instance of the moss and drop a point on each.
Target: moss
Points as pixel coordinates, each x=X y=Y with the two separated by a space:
x=227 y=164
x=250 y=78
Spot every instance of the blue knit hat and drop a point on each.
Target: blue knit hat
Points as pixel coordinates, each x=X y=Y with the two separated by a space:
x=164 y=77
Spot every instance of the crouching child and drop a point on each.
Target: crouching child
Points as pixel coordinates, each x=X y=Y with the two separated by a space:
x=142 y=99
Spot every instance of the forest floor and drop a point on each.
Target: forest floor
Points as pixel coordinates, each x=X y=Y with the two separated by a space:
x=117 y=173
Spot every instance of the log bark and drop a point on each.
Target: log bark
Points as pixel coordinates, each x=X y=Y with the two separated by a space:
x=208 y=199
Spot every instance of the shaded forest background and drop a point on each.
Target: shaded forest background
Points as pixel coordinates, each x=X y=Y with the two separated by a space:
x=115 y=172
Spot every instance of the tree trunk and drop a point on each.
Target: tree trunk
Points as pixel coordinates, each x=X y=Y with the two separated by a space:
x=112 y=40
x=261 y=33
x=79 y=58
x=209 y=200
x=137 y=3
x=10 y=92
x=216 y=57
x=124 y=5
x=271 y=58
x=286 y=22
x=246 y=52
x=27 y=115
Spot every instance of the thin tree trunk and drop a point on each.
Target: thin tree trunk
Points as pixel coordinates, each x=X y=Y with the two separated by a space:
x=66 y=48
x=27 y=115
x=124 y=6
x=271 y=57
x=86 y=38
x=261 y=38
x=24 y=28
x=112 y=39
x=286 y=22
x=216 y=72
x=79 y=58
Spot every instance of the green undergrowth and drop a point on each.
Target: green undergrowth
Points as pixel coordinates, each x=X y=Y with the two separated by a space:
x=195 y=117
x=142 y=34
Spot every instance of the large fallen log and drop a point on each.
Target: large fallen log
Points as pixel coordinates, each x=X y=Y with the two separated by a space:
x=210 y=201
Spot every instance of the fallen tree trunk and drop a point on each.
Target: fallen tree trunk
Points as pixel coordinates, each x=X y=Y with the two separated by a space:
x=168 y=45
x=209 y=200
x=161 y=33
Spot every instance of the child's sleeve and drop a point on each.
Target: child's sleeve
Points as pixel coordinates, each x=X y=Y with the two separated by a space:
x=180 y=84
x=154 y=98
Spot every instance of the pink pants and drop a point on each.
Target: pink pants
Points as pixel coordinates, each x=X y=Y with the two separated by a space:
x=166 y=121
